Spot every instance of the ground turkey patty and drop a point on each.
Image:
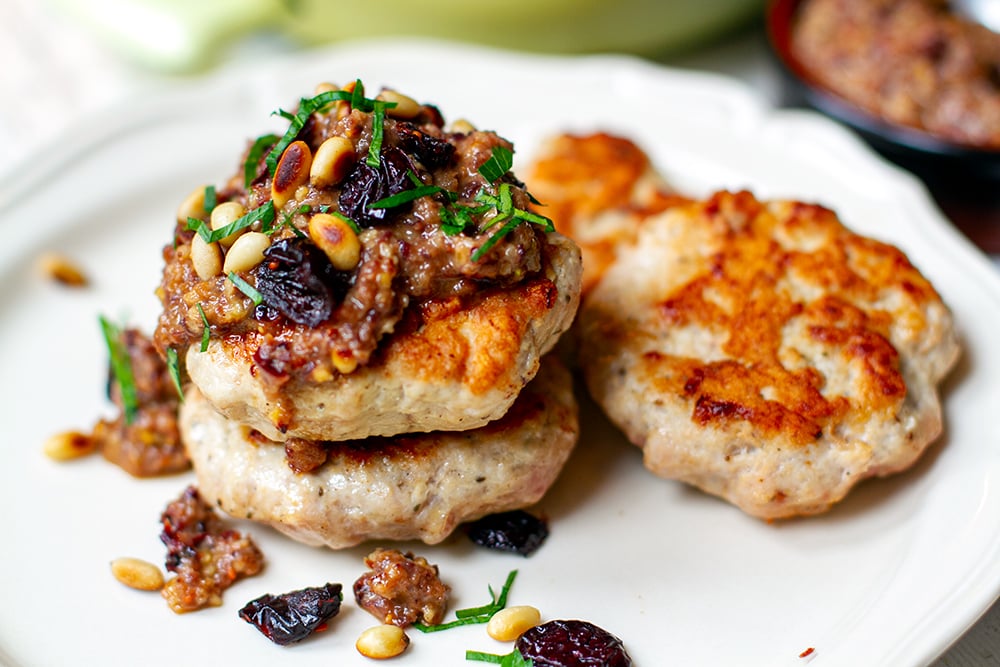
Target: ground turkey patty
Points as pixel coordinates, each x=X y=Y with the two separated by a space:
x=415 y=486
x=435 y=228
x=762 y=352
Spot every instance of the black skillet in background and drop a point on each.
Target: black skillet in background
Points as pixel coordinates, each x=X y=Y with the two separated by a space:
x=964 y=180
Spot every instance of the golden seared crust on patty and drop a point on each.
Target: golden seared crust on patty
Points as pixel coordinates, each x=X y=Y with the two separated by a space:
x=597 y=188
x=452 y=364
x=766 y=354
x=417 y=486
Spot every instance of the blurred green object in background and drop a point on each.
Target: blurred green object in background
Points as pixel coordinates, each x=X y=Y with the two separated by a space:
x=184 y=35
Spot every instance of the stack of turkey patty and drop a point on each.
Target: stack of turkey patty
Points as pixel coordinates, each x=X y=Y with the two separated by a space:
x=364 y=312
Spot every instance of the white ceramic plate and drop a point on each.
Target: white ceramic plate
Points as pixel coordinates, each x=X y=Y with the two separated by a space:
x=890 y=577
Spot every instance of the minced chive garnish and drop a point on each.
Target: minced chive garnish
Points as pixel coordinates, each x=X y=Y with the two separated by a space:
x=493 y=240
x=406 y=196
x=308 y=106
x=286 y=221
x=173 y=366
x=350 y=223
x=510 y=216
x=206 y=328
x=416 y=192
x=246 y=288
x=458 y=218
x=210 y=199
x=256 y=151
x=500 y=162
x=474 y=615
x=264 y=214
x=358 y=99
x=378 y=129
x=539 y=220
x=121 y=368
x=512 y=659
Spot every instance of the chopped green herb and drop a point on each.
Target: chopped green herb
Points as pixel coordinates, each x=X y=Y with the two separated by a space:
x=406 y=196
x=121 y=368
x=324 y=208
x=173 y=365
x=308 y=106
x=378 y=130
x=246 y=288
x=210 y=199
x=264 y=214
x=286 y=221
x=458 y=218
x=256 y=151
x=206 y=328
x=510 y=216
x=358 y=99
x=512 y=659
x=493 y=240
x=475 y=615
x=500 y=162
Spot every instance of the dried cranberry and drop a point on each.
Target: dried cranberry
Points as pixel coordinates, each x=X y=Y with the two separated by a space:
x=431 y=151
x=291 y=617
x=515 y=531
x=572 y=644
x=297 y=279
x=366 y=185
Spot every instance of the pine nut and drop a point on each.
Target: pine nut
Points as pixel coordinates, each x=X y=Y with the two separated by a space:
x=335 y=238
x=508 y=624
x=461 y=126
x=137 y=573
x=406 y=107
x=69 y=445
x=193 y=206
x=225 y=214
x=333 y=159
x=382 y=641
x=60 y=268
x=246 y=253
x=324 y=87
x=292 y=171
x=206 y=258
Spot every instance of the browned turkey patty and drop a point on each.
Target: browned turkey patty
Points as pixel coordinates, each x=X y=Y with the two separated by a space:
x=597 y=188
x=453 y=365
x=764 y=353
x=384 y=276
x=418 y=486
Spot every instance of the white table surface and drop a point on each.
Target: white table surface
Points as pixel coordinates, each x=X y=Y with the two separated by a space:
x=52 y=74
